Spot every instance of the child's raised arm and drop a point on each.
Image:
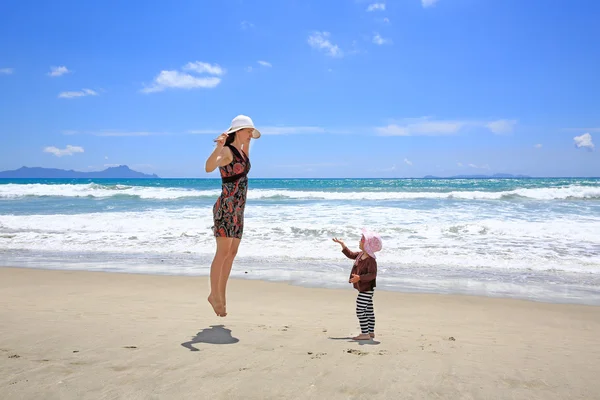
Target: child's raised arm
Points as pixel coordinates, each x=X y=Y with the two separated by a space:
x=347 y=252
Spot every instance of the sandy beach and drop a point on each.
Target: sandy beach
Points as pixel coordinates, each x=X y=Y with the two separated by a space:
x=94 y=335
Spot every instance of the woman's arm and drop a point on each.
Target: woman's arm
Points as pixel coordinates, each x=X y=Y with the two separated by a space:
x=220 y=156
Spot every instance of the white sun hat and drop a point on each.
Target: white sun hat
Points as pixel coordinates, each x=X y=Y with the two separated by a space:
x=241 y=122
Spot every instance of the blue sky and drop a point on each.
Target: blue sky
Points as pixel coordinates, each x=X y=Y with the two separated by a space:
x=339 y=88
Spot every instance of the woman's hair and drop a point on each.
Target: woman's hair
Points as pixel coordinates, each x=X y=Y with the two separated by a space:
x=230 y=138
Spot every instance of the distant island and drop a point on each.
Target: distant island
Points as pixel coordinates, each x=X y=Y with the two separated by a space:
x=495 y=176
x=120 y=172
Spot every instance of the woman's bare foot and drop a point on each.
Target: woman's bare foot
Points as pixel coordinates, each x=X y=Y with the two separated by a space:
x=213 y=303
x=372 y=335
x=218 y=308
x=362 y=336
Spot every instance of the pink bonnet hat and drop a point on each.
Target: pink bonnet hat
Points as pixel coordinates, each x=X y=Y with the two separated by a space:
x=372 y=242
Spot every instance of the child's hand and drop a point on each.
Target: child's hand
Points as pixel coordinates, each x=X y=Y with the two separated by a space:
x=339 y=241
x=355 y=278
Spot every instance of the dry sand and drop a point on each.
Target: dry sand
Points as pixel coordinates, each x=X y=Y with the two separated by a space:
x=89 y=335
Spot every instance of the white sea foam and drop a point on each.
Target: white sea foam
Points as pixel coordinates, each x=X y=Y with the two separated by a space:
x=13 y=191
x=453 y=238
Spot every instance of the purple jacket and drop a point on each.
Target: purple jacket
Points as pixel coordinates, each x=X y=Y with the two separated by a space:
x=366 y=269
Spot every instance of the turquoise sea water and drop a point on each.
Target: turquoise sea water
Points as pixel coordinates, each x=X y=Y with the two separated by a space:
x=528 y=238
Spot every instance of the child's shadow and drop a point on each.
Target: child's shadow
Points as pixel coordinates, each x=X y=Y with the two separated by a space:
x=360 y=342
x=216 y=334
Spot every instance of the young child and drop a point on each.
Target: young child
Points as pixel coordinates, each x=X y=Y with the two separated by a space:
x=362 y=276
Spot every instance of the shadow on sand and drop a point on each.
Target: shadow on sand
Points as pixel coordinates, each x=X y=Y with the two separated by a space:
x=216 y=334
x=349 y=339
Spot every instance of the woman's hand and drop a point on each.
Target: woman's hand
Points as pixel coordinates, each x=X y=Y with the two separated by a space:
x=355 y=278
x=220 y=140
x=339 y=241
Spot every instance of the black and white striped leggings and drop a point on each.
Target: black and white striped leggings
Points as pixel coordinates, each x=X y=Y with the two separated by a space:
x=364 y=311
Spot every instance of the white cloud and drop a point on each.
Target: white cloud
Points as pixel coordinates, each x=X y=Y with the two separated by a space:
x=428 y=3
x=538 y=146
x=484 y=166
x=265 y=64
x=407 y=161
x=355 y=48
x=81 y=93
x=320 y=41
x=290 y=130
x=422 y=127
x=377 y=39
x=270 y=130
x=215 y=132
x=106 y=157
x=249 y=69
x=125 y=133
x=386 y=20
x=376 y=7
x=459 y=164
x=179 y=80
x=584 y=141
x=246 y=25
x=114 y=133
x=67 y=151
x=58 y=71
x=6 y=71
x=425 y=126
x=502 y=126
x=202 y=68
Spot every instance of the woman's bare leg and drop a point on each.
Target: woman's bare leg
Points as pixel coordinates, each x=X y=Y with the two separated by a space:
x=226 y=270
x=214 y=298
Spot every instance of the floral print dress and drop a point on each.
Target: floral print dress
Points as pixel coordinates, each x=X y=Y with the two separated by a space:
x=228 y=211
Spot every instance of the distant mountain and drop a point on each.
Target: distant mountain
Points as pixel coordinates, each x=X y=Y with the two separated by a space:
x=120 y=172
x=477 y=176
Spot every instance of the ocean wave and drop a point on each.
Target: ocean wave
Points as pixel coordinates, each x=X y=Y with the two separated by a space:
x=93 y=190
x=454 y=236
